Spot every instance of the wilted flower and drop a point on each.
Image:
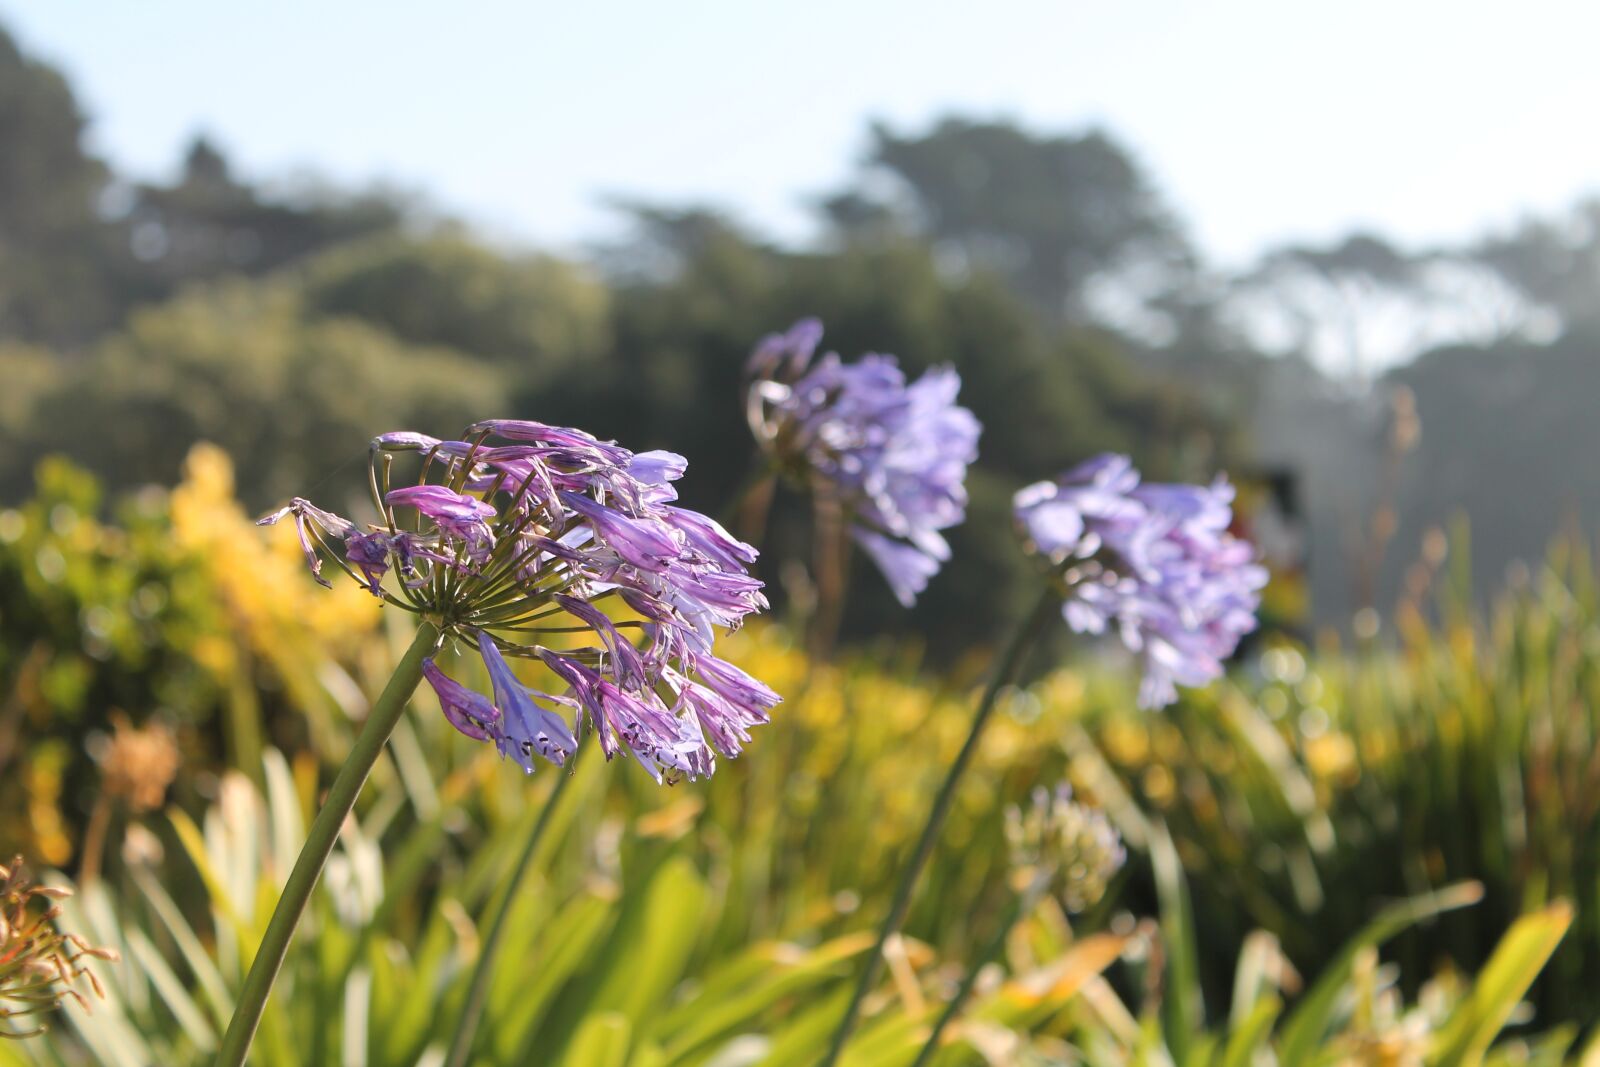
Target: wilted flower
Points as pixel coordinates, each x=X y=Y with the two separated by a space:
x=39 y=966
x=895 y=455
x=1075 y=843
x=137 y=764
x=1155 y=561
x=526 y=530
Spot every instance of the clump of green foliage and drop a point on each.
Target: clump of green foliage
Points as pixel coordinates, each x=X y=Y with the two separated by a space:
x=1285 y=808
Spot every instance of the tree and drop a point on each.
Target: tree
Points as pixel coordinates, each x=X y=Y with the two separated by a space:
x=208 y=224
x=1553 y=262
x=1359 y=304
x=292 y=398
x=53 y=246
x=1056 y=216
x=532 y=314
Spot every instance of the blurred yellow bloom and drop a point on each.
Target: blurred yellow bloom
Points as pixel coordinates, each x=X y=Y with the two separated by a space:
x=1332 y=756
x=258 y=574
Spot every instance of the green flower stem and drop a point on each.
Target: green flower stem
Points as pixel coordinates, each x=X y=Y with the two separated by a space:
x=1010 y=662
x=381 y=721
x=1021 y=906
x=478 y=991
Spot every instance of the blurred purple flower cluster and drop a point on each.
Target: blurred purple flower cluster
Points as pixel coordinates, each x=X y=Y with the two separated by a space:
x=894 y=455
x=527 y=530
x=1155 y=561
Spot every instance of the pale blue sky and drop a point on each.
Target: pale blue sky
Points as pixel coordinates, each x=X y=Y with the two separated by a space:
x=1260 y=120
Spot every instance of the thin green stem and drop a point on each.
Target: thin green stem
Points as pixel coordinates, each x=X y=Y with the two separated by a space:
x=483 y=970
x=1005 y=670
x=381 y=721
x=1021 y=906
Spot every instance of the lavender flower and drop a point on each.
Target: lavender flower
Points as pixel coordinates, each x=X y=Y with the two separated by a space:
x=1155 y=561
x=894 y=454
x=550 y=531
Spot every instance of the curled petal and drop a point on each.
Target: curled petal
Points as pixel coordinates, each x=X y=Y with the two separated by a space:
x=657 y=468
x=467 y=710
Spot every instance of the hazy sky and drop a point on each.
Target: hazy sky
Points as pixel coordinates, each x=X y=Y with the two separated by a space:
x=1260 y=120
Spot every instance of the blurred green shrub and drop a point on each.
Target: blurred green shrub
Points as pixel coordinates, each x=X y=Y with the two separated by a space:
x=530 y=315
x=609 y=960
x=178 y=611
x=290 y=398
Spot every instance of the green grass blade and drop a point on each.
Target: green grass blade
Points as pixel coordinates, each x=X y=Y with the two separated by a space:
x=1308 y=1023
x=1252 y=1032
x=1516 y=962
x=602 y=1040
x=1184 y=1008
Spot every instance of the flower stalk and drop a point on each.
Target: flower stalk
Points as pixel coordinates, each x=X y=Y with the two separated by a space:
x=483 y=970
x=341 y=799
x=1005 y=671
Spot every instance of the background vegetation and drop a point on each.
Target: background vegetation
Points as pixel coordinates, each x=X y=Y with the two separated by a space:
x=284 y=321
x=1441 y=790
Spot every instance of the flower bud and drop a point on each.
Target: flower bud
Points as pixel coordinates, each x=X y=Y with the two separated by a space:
x=1075 y=843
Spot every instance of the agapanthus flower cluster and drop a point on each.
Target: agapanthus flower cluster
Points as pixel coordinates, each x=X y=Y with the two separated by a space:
x=39 y=966
x=893 y=454
x=1154 y=561
x=1075 y=845
x=521 y=531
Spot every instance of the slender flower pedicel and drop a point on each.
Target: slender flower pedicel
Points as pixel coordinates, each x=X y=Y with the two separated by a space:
x=894 y=454
x=1156 y=561
x=523 y=540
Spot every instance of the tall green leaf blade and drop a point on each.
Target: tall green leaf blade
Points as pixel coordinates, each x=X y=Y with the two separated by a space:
x=1512 y=968
x=601 y=1041
x=1251 y=1034
x=777 y=972
x=1184 y=1009
x=547 y=964
x=653 y=943
x=1308 y=1023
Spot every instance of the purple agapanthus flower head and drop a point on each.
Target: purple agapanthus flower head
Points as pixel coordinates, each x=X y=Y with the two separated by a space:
x=894 y=454
x=1154 y=562
x=521 y=530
